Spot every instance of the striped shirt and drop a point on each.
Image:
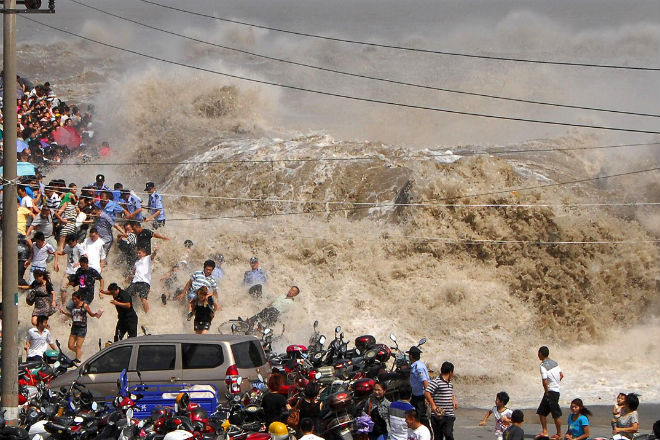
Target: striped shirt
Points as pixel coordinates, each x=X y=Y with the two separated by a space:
x=198 y=279
x=442 y=393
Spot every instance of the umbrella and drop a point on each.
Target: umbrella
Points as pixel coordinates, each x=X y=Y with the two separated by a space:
x=68 y=136
x=21 y=146
x=22 y=169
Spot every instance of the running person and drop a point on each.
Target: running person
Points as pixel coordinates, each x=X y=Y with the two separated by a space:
x=78 y=315
x=203 y=308
x=198 y=279
x=127 y=319
x=73 y=252
x=141 y=284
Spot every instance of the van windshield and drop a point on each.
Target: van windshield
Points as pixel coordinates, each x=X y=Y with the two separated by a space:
x=248 y=354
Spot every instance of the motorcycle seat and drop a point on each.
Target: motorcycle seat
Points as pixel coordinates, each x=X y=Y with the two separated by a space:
x=30 y=365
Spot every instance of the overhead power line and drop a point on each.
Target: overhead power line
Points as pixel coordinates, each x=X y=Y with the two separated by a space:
x=368 y=77
x=362 y=158
x=339 y=95
x=405 y=48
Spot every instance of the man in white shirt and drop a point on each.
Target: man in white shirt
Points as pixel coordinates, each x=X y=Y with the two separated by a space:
x=94 y=251
x=141 y=284
x=551 y=375
x=307 y=428
x=416 y=431
x=40 y=252
x=38 y=340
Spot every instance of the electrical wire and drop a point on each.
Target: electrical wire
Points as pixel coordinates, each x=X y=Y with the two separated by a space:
x=339 y=95
x=404 y=48
x=368 y=77
x=362 y=158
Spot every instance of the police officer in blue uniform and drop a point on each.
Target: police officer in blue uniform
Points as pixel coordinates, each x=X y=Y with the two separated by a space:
x=155 y=206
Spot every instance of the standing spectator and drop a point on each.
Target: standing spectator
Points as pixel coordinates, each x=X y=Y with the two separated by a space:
x=127 y=319
x=73 y=251
x=255 y=278
x=38 y=340
x=85 y=278
x=156 y=209
x=26 y=200
x=143 y=236
x=551 y=375
x=628 y=424
x=419 y=381
x=78 y=315
x=308 y=428
x=416 y=430
x=41 y=294
x=141 y=284
x=378 y=408
x=515 y=431
x=39 y=257
x=310 y=406
x=203 y=308
x=273 y=402
x=198 y=279
x=94 y=250
x=440 y=397
x=398 y=409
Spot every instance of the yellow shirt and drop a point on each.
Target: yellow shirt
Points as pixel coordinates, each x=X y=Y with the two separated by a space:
x=21 y=221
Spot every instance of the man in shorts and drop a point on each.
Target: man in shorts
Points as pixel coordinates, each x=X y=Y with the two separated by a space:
x=141 y=284
x=551 y=375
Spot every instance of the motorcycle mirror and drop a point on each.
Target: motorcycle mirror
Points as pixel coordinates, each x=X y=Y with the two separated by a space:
x=141 y=424
x=267 y=331
x=392 y=337
x=239 y=380
x=260 y=377
x=234 y=328
x=94 y=406
x=337 y=329
x=322 y=339
x=316 y=324
x=357 y=351
x=341 y=335
x=56 y=365
x=129 y=416
x=421 y=341
x=318 y=376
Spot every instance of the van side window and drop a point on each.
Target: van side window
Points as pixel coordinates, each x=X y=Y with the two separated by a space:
x=111 y=362
x=201 y=356
x=156 y=357
x=248 y=354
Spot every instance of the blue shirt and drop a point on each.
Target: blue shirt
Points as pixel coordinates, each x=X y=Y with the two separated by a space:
x=576 y=427
x=418 y=374
x=104 y=226
x=133 y=204
x=99 y=189
x=156 y=203
x=110 y=208
x=116 y=195
x=256 y=276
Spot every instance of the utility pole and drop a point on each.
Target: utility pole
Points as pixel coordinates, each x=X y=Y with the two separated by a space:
x=10 y=213
x=9 y=216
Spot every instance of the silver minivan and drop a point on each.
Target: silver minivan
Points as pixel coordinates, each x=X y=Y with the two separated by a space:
x=171 y=359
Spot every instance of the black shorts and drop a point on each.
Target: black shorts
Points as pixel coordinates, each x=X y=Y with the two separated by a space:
x=79 y=330
x=202 y=325
x=140 y=289
x=550 y=405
